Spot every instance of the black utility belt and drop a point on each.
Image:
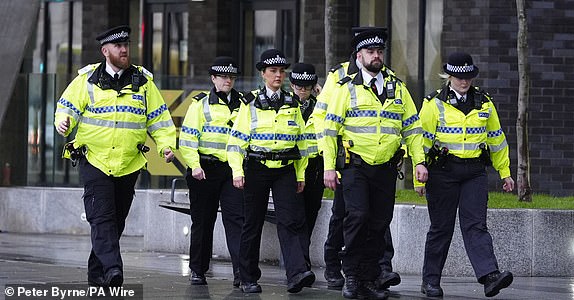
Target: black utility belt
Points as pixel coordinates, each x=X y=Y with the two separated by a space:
x=272 y=156
x=209 y=159
x=458 y=160
x=356 y=160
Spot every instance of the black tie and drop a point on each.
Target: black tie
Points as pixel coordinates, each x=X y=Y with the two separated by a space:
x=274 y=100
x=116 y=76
x=374 y=86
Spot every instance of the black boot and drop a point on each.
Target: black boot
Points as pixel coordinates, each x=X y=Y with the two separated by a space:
x=351 y=287
x=496 y=281
x=335 y=280
x=369 y=290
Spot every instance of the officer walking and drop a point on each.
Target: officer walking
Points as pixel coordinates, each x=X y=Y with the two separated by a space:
x=202 y=142
x=303 y=81
x=462 y=136
x=114 y=104
x=373 y=114
x=268 y=133
x=334 y=242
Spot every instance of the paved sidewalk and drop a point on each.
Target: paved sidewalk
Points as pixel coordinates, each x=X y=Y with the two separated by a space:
x=61 y=259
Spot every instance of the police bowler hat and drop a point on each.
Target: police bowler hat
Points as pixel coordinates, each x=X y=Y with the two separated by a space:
x=369 y=37
x=224 y=65
x=272 y=57
x=460 y=65
x=118 y=34
x=303 y=75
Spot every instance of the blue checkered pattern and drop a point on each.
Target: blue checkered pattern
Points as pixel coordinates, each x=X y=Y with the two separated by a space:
x=428 y=135
x=475 y=130
x=119 y=108
x=309 y=136
x=216 y=129
x=69 y=105
x=190 y=130
x=361 y=113
x=157 y=112
x=286 y=137
x=496 y=133
x=334 y=118
x=410 y=120
x=240 y=135
x=456 y=130
x=263 y=136
x=483 y=115
x=390 y=115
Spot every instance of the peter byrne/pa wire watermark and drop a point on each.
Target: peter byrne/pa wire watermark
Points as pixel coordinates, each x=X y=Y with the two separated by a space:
x=71 y=291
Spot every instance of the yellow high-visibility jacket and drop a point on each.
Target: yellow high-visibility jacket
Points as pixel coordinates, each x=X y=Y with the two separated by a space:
x=207 y=125
x=375 y=128
x=447 y=126
x=261 y=129
x=111 y=124
x=310 y=136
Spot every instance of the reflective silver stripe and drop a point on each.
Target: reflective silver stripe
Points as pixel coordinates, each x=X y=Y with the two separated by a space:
x=190 y=144
x=473 y=146
x=341 y=72
x=362 y=129
x=452 y=146
x=90 y=87
x=206 y=111
x=112 y=124
x=417 y=130
x=390 y=130
x=212 y=145
x=259 y=148
x=426 y=149
x=319 y=135
x=235 y=148
x=330 y=132
x=352 y=93
x=159 y=125
x=253 y=110
x=312 y=149
x=69 y=112
x=440 y=106
x=497 y=148
x=321 y=105
x=303 y=152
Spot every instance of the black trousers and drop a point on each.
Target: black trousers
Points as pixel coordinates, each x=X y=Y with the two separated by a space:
x=334 y=242
x=312 y=196
x=205 y=197
x=107 y=202
x=462 y=187
x=289 y=210
x=369 y=195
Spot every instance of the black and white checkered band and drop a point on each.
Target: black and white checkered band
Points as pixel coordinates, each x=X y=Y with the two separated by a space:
x=225 y=69
x=460 y=69
x=373 y=41
x=115 y=36
x=303 y=76
x=275 y=61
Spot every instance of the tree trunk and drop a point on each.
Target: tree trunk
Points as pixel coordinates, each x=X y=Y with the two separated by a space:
x=523 y=176
x=329 y=34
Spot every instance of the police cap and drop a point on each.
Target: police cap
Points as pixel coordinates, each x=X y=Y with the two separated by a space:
x=303 y=75
x=369 y=37
x=118 y=34
x=272 y=57
x=224 y=65
x=460 y=65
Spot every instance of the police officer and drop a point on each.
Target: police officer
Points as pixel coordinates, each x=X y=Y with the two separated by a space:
x=268 y=133
x=461 y=127
x=334 y=242
x=114 y=104
x=202 y=142
x=373 y=113
x=303 y=81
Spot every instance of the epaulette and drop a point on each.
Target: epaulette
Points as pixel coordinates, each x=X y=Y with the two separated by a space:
x=87 y=69
x=147 y=73
x=335 y=68
x=199 y=96
x=482 y=94
x=432 y=95
x=248 y=98
x=344 y=80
